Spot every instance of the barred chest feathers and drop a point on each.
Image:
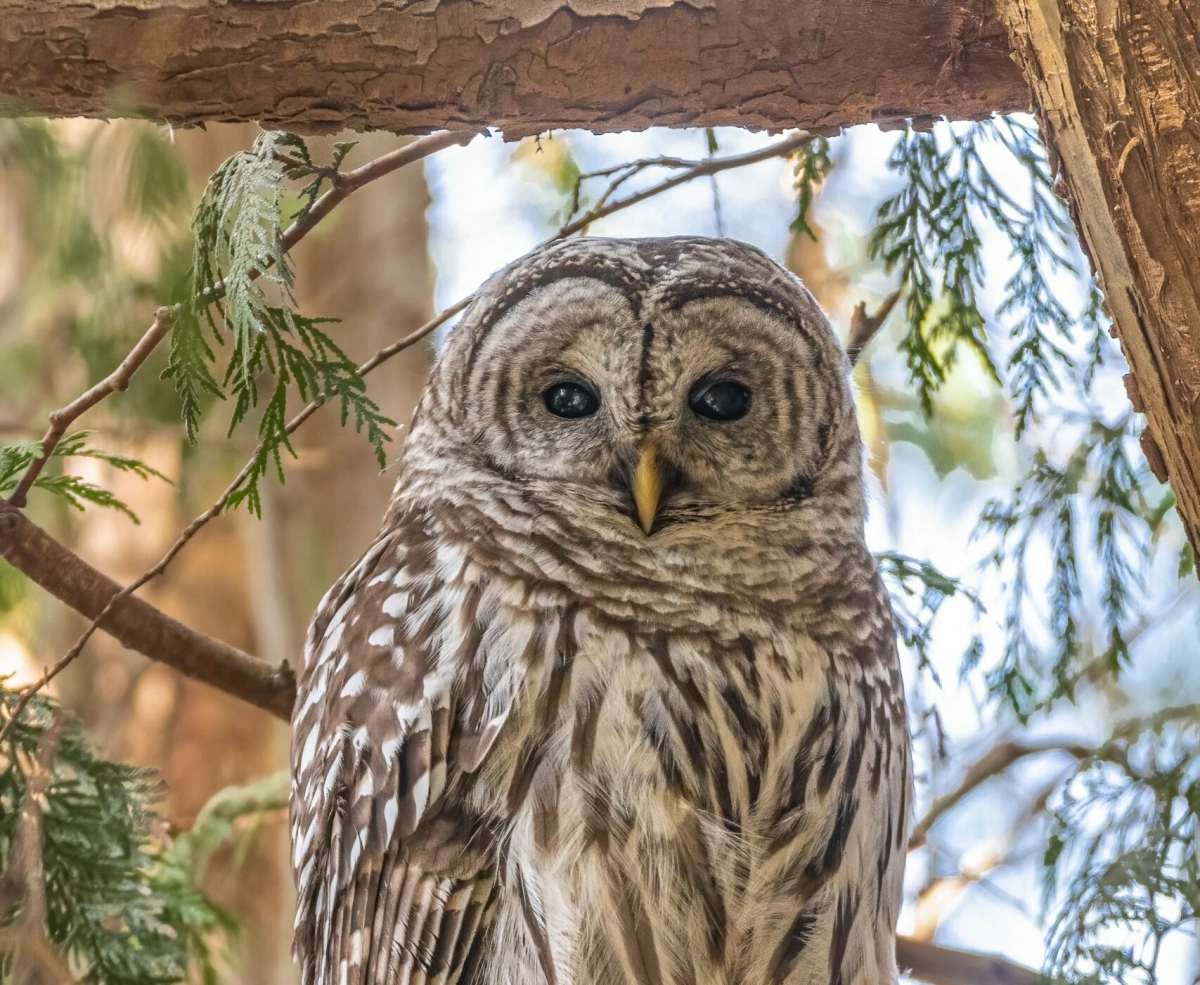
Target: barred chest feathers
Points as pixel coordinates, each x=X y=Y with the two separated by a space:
x=670 y=802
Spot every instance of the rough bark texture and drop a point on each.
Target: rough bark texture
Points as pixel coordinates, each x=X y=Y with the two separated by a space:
x=1118 y=87
x=521 y=65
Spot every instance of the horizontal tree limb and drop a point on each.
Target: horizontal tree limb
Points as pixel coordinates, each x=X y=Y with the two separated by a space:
x=137 y=624
x=524 y=67
x=940 y=965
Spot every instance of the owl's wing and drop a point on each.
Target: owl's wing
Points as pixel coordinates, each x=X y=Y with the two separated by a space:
x=397 y=697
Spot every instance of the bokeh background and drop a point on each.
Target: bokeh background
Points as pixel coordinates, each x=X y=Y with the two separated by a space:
x=94 y=235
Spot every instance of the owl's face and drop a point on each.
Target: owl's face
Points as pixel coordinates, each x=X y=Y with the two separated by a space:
x=653 y=382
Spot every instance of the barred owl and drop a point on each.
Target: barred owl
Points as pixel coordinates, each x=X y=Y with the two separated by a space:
x=613 y=698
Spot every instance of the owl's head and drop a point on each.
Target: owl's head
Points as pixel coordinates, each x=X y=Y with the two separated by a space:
x=650 y=385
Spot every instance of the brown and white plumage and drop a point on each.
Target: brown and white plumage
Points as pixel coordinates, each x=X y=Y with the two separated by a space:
x=535 y=744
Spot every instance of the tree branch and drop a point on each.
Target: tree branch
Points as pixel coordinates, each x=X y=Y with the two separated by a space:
x=524 y=68
x=940 y=965
x=137 y=624
x=992 y=763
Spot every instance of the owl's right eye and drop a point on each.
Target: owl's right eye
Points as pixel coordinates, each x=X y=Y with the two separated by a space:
x=571 y=400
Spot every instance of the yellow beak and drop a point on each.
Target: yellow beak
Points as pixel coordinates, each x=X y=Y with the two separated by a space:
x=647 y=487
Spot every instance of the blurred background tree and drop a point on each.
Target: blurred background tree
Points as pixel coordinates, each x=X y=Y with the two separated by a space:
x=1043 y=585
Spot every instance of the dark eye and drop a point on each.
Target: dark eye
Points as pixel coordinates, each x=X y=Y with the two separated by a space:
x=725 y=400
x=571 y=400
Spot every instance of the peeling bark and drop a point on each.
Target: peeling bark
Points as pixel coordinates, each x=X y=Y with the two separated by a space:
x=1117 y=83
x=521 y=65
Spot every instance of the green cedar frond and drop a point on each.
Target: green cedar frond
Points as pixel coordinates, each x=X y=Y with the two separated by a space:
x=239 y=246
x=1097 y=488
x=929 y=232
x=109 y=911
x=239 y=243
x=297 y=354
x=189 y=363
x=1125 y=843
x=917 y=590
x=73 y=490
x=812 y=166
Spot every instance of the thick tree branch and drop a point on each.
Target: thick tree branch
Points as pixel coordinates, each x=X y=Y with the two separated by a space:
x=939 y=965
x=137 y=624
x=620 y=65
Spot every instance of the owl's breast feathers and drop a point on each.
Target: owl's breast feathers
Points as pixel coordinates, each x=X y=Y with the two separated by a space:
x=499 y=779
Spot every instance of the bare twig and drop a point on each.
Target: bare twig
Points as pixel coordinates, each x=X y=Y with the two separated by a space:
x=940 y=965
x=992 y=763
x=695 y=170
x=344 y=185
x=864 y=327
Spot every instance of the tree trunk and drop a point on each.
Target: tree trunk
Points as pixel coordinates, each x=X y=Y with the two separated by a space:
x=1117 y=83
x=524 y=67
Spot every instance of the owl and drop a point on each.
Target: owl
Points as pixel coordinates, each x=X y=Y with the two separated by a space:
x=614 y=696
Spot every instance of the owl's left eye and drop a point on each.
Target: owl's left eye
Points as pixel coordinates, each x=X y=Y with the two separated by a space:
x=571 y=400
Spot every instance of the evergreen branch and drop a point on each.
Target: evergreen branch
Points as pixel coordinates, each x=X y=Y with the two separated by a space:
x=811 y=169
x=188 y=361
x=108 y=909
x=1127 y=830
x=74 y=490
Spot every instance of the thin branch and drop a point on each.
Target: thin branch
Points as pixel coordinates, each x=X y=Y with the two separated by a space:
x=713 y=165
x=118 y=379
x=992 y=763
x=343 y=186
x=864 y=327
x=349 y=182
x=940 y=965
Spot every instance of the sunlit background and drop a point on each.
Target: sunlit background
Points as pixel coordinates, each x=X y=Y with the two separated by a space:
x=94 y=235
